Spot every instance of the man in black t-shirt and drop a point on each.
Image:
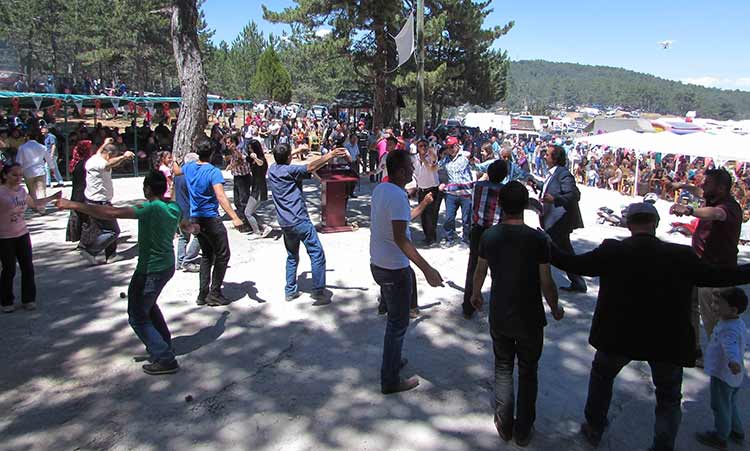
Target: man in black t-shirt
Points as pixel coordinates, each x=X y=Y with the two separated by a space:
x=519 y=258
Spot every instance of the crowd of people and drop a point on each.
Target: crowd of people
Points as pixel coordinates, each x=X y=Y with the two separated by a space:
x=490 y=178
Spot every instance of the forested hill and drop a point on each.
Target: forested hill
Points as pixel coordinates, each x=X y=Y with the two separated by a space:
x=535 y=84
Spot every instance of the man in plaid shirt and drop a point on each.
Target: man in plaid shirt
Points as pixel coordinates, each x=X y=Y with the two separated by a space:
x=458 y=169
x=243 y=177
x=486 y=213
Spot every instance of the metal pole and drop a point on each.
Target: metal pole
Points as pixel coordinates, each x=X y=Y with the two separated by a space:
x=135 y=143
x=420 y=67
x=67 y=144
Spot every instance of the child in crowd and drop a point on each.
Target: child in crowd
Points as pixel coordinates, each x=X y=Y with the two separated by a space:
x=724 y=362
x=165 y=167
x=15 y=241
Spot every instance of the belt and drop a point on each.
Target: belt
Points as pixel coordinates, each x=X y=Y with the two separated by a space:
x=98 y=202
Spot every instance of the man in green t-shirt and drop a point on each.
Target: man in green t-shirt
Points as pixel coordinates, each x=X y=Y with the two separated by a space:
x=158 y=219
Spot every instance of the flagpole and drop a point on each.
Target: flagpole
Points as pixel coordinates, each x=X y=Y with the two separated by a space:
x=420 y=67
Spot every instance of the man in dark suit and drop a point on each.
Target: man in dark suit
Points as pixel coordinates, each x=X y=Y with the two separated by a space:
x=560 y=214
x=643 y=312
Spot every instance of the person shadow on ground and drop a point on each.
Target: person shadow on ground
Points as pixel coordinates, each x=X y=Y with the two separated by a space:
x=186 y=344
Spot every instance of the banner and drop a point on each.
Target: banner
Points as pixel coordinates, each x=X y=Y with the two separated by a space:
x=405 y=41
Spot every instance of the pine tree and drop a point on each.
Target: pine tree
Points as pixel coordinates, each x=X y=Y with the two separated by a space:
x=271 y=79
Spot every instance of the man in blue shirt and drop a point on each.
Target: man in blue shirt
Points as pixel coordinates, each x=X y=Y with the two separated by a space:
x=285 y=181
x=206 y=188
x=458 y=168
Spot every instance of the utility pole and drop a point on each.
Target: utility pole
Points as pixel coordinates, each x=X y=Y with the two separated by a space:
x=420 y=67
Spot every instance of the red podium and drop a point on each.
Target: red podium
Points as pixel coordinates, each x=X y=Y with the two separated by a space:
x=333 y=196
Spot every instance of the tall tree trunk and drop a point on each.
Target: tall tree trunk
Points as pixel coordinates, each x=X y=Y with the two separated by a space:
x=192 y=119
x=379 y=101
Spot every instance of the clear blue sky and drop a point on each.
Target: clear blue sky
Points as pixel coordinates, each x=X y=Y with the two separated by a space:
x=710 y=38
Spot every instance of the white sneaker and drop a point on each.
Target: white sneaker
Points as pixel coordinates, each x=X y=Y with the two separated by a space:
x=267 y=229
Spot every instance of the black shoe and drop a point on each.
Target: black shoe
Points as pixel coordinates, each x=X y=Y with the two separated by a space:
x=524 y=440
x=574 y=289
x=710 y=439
x=403 y=385
x=321 y=298
x=468 y=314
x=290 y=297
x=505 y=435
x=200 y=301
x=382 y=309
x=157 y=368
x=736 y=437
x=217 y=300
x=592 y=437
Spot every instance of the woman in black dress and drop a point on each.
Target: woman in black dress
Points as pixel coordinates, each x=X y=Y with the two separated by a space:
x=259 y=191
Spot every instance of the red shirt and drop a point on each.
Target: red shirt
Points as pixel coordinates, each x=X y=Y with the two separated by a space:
x=716 y=241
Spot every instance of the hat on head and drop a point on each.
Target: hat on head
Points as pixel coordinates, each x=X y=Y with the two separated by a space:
x=361 y=123
x=451 y=141
x=642 y=208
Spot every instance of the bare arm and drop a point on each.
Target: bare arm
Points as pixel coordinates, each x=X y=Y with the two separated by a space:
x=480 y=274
x=224 y=202
x=416 y=211
x=38 y=204
x=116 y=161
x=708 y=213
x=98 y=211
x=322 y=161
x=407 y=247
x=549 y=290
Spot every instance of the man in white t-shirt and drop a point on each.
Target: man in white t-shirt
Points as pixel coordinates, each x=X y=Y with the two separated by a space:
x=32 y=157
x=391 y=250
x=99 y=191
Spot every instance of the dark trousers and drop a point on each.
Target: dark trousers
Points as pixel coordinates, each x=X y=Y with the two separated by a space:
x=214 y=255
x=14 y=250
x=429 y=216
x=145 y=316
x=561 y=237
x=395 y=289
x=475 y=235
x=241 y=190
x=667 y=379
x=109 y=231
x=528 y=351
x=413 y=301
x=364 y=158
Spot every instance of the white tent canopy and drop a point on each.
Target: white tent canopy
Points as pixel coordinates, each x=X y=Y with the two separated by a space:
x=720 y=147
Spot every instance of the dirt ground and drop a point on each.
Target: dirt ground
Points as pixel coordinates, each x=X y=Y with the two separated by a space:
x=265 y=374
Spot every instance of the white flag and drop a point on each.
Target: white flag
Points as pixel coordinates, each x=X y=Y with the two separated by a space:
x=405 y=41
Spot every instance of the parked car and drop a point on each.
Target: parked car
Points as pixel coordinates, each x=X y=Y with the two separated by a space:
x=320 y=111
x=8 y=80
x=444 y=130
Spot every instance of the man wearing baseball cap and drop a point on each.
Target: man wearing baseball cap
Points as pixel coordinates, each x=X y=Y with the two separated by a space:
x=458 y=168
x=643 y=313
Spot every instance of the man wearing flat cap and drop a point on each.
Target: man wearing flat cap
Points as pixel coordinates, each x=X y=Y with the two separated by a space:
x=643 y=312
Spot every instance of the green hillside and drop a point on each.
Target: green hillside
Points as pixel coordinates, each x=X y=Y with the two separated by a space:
x=534 y=85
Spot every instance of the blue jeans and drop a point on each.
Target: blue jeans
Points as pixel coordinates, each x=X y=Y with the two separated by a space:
x=396 y=292
x=305 y=233
x=452 y=202
x=145 y=317
x=528 y=351
x=724 y=404
x=188 y=250
x=667 y=378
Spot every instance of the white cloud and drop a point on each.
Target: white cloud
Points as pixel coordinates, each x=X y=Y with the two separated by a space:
x=718 y=82
x=322 y=32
